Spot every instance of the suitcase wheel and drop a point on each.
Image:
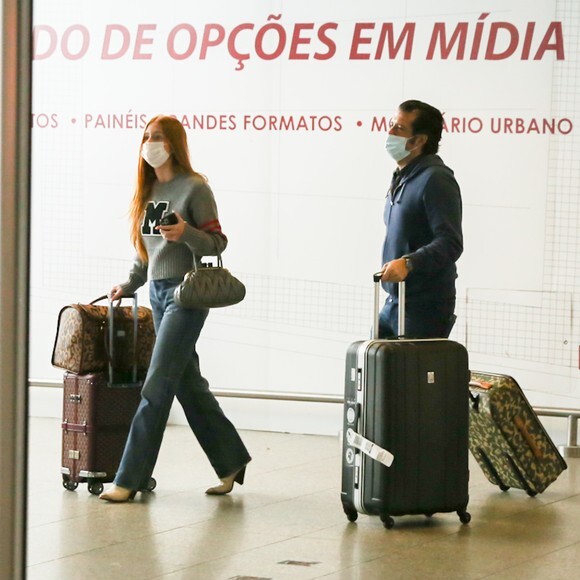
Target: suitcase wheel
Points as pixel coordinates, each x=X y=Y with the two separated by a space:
x=388 y=521
x=69 y=484
x=152 y=484
x=504 y=487
x=350 y=512
x=531 y=493
x=464 y=517
x=95 y=487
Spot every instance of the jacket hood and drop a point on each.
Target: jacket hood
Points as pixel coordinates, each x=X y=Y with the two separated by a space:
x=422 y=163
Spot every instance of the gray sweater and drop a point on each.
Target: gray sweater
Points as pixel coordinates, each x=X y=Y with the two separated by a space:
x=193 y=199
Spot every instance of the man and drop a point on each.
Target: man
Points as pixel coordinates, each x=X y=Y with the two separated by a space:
x=423 y=220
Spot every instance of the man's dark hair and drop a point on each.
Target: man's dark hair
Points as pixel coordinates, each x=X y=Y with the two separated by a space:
x=429 y=122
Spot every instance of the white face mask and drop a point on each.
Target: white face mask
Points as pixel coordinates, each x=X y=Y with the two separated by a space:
x=154 y=153
x=396 y=147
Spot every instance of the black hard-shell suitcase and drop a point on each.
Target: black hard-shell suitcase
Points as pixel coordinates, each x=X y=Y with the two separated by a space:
x=98 y=409
x=406 y=405
x=506 y=437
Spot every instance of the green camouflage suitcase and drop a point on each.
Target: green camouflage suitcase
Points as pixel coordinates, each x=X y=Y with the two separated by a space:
x=507 y=438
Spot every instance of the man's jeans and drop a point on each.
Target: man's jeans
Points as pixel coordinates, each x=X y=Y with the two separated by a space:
x=174 y=372
x=422 y=319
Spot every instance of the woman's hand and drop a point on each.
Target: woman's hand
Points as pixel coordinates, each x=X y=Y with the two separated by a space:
x=173 y=232
x=115 y=293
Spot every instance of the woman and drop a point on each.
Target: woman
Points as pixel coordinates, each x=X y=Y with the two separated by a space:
x=167 y=183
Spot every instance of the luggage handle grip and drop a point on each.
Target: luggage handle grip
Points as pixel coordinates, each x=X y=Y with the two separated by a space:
x=377 y=283
x=521 y=426
x=106 y=297
x=481 y=384
x=356 y=421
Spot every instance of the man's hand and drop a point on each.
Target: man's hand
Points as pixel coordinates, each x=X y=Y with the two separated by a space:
x=395 y=271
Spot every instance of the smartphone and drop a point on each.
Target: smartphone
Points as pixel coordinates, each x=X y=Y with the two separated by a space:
x=168 y=220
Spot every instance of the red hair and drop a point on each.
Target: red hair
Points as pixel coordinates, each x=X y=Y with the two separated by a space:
x=176 y=138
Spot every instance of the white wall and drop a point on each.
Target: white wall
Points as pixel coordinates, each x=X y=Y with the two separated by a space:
x=303 y=208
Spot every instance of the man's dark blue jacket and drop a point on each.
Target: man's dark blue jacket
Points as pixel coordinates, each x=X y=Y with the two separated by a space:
x=423 y=219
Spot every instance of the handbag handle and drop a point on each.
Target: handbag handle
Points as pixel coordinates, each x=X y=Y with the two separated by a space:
x=219 y=262
x=218 y=254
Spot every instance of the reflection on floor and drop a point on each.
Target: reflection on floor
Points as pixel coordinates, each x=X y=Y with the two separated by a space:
x=286 y=522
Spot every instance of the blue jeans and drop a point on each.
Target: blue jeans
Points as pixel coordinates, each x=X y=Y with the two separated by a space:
x=174 y=372
x=422 y=319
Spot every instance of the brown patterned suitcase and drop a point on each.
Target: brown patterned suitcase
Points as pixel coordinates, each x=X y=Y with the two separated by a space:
x=506 y=437
x=83 y=334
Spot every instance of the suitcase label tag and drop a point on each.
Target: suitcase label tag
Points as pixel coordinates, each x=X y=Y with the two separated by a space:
x=369 y=448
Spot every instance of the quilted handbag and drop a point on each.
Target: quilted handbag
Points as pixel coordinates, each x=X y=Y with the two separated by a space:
x=83 y=336
x=209 y=286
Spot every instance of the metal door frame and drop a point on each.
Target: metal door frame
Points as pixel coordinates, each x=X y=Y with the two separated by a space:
x=15 y=100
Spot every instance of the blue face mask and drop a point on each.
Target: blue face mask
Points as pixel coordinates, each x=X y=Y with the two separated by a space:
x=396 y=147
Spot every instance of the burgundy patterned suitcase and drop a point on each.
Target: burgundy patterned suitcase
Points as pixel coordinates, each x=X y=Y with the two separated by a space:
x=97 y=412
x=95 y=425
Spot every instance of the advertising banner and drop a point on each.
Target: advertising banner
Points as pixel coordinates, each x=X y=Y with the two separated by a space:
x=286 y=107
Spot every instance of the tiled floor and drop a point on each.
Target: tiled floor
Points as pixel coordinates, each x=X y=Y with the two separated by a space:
x=286 y=522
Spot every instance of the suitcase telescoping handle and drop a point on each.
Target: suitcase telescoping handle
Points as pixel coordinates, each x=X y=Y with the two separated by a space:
x=111 y=320
x=112 y=335
x=377 y=281
x=110 y=347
